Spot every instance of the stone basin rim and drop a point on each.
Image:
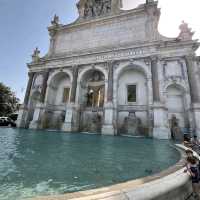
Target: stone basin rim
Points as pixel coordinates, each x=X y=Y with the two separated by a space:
x=121 y=190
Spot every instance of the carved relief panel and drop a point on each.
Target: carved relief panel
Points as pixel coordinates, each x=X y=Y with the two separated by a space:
x=38 y=80
x=94 y=8
x=173 y=68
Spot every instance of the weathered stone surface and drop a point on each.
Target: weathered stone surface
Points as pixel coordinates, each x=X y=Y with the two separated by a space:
x=155 y=80
x=44 y=85
x=28 y=89
x=89 y=9
x=126 y=49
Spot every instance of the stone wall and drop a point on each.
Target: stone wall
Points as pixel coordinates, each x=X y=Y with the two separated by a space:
x=128 y=49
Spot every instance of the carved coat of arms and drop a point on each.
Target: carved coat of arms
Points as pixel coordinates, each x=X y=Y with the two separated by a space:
x=93 y=8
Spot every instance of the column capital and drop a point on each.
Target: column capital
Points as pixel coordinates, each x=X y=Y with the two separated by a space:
x=190 y=57
x=31 y=74
x=112 y=62
x=154 y=58
x=75 y=66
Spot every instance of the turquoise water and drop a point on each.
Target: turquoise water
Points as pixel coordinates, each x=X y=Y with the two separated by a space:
x=36 y=163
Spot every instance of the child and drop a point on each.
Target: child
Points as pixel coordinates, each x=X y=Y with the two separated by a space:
x=193 y=169
x=189 y=153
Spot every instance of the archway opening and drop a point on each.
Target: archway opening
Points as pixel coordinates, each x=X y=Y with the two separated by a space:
x=176 y=105
x=59 y=89
x=132 y=101
x=58 y=95
x=91 y=99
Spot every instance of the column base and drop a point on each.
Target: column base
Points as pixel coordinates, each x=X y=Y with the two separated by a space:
x=34 y=125
x=36 y=122
x=162 y=133
x=21 y=120
x=21 y=123
x=108 y=130
x=67 y=127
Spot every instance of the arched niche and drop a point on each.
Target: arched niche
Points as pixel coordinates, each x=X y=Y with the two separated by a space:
x=92 y=89
x=91 y=97
x=176 y=104
x=59 y=88
x=132 y=79
x=132 y=99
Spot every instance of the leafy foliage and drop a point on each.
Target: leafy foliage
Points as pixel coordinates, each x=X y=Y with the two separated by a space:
x=9 y=103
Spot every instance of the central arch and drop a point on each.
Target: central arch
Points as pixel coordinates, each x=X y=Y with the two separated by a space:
x=91 y=98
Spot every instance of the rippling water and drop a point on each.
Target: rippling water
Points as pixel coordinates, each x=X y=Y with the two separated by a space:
x=36 y=163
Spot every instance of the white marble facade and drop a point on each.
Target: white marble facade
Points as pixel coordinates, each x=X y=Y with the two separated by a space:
x=82 y=83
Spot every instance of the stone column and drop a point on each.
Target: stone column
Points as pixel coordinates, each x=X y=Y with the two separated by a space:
x=155 y=80
x=23 y=112
x=44 y=86
x=192 y=79
x=42 y=99
x=38 y=112
x=74 y=84
x=71 y=116
x=194 y=84
x=108 y=128
x=110 y=82
x=160 y=121
x=21 y=119
x=28 y=89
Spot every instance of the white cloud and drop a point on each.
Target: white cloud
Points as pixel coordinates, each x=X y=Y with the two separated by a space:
x=173 y=12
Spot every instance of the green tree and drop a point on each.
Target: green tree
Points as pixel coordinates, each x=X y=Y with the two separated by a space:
x=9 y=103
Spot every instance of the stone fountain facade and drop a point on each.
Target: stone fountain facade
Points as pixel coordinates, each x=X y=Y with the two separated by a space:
x=111 y=72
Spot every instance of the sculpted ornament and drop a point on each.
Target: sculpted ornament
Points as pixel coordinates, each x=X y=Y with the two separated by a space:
x=185 y=32
x=94 y=8
x=54 y=26
x=55 y=21
x=36 y=55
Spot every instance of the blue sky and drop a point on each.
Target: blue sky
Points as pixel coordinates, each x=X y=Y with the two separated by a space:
x=24 y=27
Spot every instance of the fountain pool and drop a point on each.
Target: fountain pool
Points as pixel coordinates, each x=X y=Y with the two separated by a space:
x=37 y=163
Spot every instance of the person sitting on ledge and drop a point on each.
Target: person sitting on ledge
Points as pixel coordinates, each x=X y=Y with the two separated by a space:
x=190 y=154
x=187 y=142
x=193 y=169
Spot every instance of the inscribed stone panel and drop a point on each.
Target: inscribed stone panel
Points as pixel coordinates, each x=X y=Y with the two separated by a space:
x=113 y=33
